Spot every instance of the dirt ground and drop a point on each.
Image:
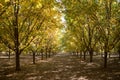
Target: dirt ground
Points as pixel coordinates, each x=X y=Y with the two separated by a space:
x=60 y=67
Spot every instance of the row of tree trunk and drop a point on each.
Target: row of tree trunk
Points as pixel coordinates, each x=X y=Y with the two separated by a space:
x=45 y=55
x=91 y=54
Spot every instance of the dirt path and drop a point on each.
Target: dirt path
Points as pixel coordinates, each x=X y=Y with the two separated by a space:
x=63 y=67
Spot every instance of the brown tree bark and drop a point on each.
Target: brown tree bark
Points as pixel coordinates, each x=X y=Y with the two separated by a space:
x=46 y=55
x=41 y=54
x=105 y=59
x=119 y=55
x=91 y=55
x=49 y=52
x=9 y=54
x=33 y=57
x=16 y=34
x=84 y=55
x=17 y=62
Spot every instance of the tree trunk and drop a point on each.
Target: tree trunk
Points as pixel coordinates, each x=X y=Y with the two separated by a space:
x=33 y=57
x=17 y=61
x=17 y=50
x=84 y=55
x=80 y=54
x=46 y=55
x=119 y=55
x=91 y=56
x=105 y=59
x=16 y=34
x=41 y=55
x=49 y=53
x=9 y=54
x=109 y=55
x=77 y=53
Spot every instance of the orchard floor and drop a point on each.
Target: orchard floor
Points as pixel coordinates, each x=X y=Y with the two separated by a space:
x=60 y=67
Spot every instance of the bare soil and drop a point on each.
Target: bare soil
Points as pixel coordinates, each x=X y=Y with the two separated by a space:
x=60 y=67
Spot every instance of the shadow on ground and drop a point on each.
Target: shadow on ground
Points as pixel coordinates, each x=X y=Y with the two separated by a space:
x=60 y=67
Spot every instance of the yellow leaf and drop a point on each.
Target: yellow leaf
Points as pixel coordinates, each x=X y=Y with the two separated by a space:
x=7 y=0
